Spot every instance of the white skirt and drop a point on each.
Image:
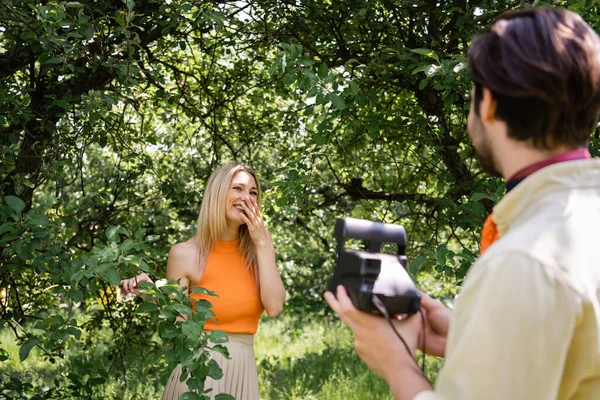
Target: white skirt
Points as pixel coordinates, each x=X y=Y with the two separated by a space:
x=240 y=378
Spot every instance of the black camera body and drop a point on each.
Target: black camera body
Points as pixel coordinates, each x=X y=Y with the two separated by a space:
x=366 y=274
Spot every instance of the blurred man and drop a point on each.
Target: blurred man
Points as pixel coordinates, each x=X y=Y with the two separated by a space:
x=527 y=322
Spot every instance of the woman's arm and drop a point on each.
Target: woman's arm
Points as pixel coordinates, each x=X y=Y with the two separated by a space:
x=180 y=262
x=272 y=292
x=130 y=285
x=177 y=268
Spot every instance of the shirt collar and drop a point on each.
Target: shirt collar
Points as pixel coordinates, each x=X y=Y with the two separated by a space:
x=550 y=180
x=578 y=154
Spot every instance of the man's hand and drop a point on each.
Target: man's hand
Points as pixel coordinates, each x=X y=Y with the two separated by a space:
x=437 y=321
x=376 y=343
x=379 y=347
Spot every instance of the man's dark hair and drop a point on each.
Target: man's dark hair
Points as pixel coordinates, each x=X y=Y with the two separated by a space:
x=542 y=66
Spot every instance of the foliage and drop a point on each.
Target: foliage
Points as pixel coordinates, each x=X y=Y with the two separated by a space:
x=113 y=114
x=183 y=326
x=299 y=357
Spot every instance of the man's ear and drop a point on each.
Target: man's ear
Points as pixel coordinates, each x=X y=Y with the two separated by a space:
x=487 y=106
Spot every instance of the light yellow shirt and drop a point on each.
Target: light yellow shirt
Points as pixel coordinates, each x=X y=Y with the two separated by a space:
x=527 y=322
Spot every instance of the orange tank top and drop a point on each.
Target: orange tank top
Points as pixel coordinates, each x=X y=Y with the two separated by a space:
x=238 y=307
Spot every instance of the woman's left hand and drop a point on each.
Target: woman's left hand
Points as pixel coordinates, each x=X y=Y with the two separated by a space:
x=254 y=221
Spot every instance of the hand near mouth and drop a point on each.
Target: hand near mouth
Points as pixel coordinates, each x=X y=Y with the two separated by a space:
x=254 y=221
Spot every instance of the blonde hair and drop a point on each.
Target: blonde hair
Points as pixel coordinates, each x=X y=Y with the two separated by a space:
x=212 y=222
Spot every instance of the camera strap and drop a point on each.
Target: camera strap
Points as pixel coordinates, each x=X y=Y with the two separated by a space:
x=381 y=307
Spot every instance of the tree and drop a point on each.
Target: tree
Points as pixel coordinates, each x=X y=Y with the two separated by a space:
x=114 y=113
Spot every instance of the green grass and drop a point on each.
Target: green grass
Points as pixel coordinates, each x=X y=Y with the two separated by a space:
x=298 y=358
x=312 y=360
x=315 y=359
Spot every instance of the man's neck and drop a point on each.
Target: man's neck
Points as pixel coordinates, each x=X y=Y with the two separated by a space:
x=520 y=156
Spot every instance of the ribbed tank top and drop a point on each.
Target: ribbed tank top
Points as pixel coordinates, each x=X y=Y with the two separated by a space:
x=238 y=307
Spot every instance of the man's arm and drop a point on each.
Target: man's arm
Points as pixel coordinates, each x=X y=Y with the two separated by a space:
x=510 y=332
x=509 y=336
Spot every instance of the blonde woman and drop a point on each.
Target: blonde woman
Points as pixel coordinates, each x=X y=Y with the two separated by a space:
x=232 y=254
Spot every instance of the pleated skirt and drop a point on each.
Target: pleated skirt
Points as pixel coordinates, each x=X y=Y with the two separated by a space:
x=240 y=378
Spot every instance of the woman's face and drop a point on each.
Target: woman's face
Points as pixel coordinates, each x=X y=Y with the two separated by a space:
x=242 y=189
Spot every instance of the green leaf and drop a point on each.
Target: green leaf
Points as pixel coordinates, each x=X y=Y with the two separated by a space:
x=111 y=275
x=126 y=245
x=78 y=275
x=26 y=348
x=320 y=139
x=182 y=309
x=38 y=219
x=320 y=99
x=153 y=358
x=190 y=396
x=426 y=52
x=96 y=381
x=146 y=307
x=71 y=330
x=218 y=337
x=123 y=231
x=415 y=264
x=15 y=203
x=440 y=254
x=191 y=328
x=481 y=196
x=152 y=238
x=337 y=101
x=168 y=331
x=140 y=233
x=214 y=371
x=478 y=209
x=77 y=296
x=3 y=355
x=170 y=288
x=62 y=104
x=5 y=227
x=305 y=61
x=143 y=266
x=219 y=348
x=202 y=290
x=224 y=396
x=350 y=62
x=103 y=141
x=323 y=71
x=73 y=4
x=420 y=68
x=53 y=60
x=467 y=255
x=289 y=78
x=111 y=233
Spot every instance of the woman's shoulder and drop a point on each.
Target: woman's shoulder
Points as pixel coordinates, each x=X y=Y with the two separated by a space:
x=182 y=262
x=184 y=253
x=185 y=248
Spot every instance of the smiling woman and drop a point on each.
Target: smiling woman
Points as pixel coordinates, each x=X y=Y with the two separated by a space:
x=243 y=190
x=232 y=255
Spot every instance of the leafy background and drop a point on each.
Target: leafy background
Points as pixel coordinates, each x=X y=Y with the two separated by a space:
x=113 y=114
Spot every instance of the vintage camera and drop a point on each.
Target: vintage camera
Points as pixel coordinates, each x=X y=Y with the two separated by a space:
x=369 y=273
